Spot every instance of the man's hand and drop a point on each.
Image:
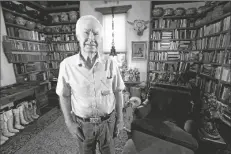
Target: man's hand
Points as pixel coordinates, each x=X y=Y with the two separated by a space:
x=75 y=130
x=119 y=125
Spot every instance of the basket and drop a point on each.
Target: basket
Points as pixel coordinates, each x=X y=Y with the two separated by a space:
x=191 y=11
x=157 y=12
x=179 y=11
x=169 y=12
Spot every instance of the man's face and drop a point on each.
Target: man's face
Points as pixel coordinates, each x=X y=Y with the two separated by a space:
x=89 y=35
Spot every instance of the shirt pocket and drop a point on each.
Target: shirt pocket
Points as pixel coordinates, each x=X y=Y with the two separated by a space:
x=106 y=85
x=82 y=89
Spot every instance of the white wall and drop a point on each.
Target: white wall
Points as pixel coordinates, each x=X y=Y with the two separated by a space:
x=139 y=10
x=7 y=71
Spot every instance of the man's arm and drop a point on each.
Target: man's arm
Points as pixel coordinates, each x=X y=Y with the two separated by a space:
x=65 y=104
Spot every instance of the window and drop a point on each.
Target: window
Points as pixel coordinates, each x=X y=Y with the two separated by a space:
x=119 y=32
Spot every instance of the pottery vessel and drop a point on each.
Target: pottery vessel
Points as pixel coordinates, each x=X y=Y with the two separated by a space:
x=20 y=21
x=30 y=24
x=73 y=16
x=179 y=11
x=169 y=12
x=63 y=17
x=191 y=11
x=22 y=8
x=9 y=17
x=55 y=18
x=157 y=12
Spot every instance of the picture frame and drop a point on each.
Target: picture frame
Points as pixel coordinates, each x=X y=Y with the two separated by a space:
x=139 y=50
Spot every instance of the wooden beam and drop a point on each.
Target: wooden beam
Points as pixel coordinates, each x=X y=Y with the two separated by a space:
x=117 y=9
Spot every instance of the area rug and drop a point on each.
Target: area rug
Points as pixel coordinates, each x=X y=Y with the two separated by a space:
x=55 y=139
x=31 y=130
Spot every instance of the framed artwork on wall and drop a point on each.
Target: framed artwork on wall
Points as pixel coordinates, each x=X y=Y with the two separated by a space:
x=139 y=50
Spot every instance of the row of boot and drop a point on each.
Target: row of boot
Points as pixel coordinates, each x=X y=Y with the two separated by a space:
x=15 y=119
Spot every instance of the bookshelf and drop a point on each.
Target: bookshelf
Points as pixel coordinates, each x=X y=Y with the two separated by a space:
x=205 y=51
x=37 y=52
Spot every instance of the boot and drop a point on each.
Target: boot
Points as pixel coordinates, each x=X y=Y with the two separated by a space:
x=31 y=110
x=10 y=121
x=21 y=115
x=28 y=112
x=17 y=119
x=34 y=115
x=3 y=124
x=3 y=139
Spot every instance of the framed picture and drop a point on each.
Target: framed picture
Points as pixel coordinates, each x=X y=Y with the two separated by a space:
x=139 y=50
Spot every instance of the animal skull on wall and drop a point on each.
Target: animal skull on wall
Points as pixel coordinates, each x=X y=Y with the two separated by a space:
x=139 y=26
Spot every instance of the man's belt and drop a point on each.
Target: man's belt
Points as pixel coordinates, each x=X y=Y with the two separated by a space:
x=95 y=119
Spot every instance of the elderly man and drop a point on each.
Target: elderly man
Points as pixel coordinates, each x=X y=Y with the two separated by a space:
x=89 y=87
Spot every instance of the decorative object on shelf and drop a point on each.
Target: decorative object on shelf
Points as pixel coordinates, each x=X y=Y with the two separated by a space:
x=9 y=17
x=35 y=14
x=20 y=21
x=48 y=29
x=73 y=15
x=30 y=24
x=47 y=18
x=169 y=12
x=56 y=29
x=66 y=28
x=39 y=26
x=22 y=8
x=139 y=50
x=8 y=4
x=191 y=11
x=202 y=9
x=55 y=18
x=227 y=7
x=157 y=12
x=139 y=26
x=179 y=11
x=130 y=75
x=63 y=17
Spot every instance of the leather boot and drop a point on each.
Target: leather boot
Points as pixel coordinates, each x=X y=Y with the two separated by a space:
x=10 y=121
x=3 y=124
x=34 y=115
x=27 y=112
x=17 y=119
x=21 y=115
x=3 y=138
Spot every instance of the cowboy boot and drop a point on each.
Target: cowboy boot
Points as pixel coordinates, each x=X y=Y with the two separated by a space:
x=10 y=121
x=17 y=119
x=34 y=115
x=3 y=124
x=31 y=110
x=21 y=115
x=27 y=112
x=3 y=138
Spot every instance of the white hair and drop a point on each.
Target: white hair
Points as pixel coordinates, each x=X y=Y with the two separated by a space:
x=77 y=28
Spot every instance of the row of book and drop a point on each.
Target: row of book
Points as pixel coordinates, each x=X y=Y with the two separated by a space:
x=64 y=37
x=63 y=47
x=39 y=76
x=219 y=57
x=211 y=71
x=27 y=46
x=174 y=34
x=54 y=65
x=171 y=23
x=226 y=75
x=210 y=29
x=58 y=56
x=26 y=58
x=220 y=41
x=175 y=55
x=171 y=67
x=25 y=34
x=226 y=23
x=171 y=45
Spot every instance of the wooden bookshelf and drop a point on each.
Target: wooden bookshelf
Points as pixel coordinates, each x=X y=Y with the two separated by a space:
x=62 y=23
x=23 y=39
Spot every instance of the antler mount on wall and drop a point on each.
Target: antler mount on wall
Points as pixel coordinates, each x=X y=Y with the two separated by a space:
x=139 y=26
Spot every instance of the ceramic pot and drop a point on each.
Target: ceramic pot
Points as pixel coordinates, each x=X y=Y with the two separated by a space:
x=20 y=21
x=73 y=16
x=63 y=17
x=9 y=17
x=39 y=26
x=47 y=18
x=191 y=11
x=227 y=7
x=157 y=12
x=169 y=12
x=30 y=24
x=47 y=29
x=179 y=11
x=66 y=28
x=55 y=18
x=22 y=8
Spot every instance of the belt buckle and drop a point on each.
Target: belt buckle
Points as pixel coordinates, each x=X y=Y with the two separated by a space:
x=95 y=120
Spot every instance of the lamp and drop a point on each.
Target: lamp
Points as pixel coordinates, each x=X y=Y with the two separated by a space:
x=113 y=53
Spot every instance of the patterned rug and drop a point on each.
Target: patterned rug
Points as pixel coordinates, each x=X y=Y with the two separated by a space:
x=55 y=139
x=31 y=130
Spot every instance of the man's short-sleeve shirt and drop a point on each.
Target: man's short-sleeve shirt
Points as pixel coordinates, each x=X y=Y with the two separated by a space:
x=91 y=91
